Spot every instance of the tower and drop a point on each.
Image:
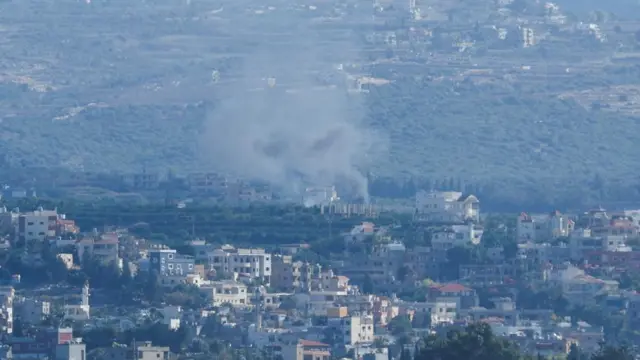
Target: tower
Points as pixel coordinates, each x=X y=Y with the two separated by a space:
x=85 y=294
x=260 y=291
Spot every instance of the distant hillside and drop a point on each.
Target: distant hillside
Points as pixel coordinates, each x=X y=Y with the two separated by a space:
x=131 y=86
x=516 y=146
x=532 y=148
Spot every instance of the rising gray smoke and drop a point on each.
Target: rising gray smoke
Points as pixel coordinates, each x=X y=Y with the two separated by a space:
x=295 y=133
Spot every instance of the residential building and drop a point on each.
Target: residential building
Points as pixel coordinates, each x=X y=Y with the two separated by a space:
x=72 y=350
x=44 y=344
x=448 y=206
x=81 y=311
x=226 y=292
x=147 y=351
x=442 y=312
x=579 y=288
x=239 y=194
x=254 y=263
x=456 y=235
x=102 y=248
x=172 y=316
x=384 y=310
x=360 y=233
x=8 y=219
x=37 y=226
x=317 y=303
x=381 y=265
x=487 y=274
x=32 y=311
x=432 y=313
x=306 y=350
x=272 y=301
x=544 y=253
x=618 y=225
x=289 y=275
x=543 y=227
x=623 y=260
x=583 y=242
x=7 y=296
x=142 y=181
x=166 y=262
x=201 y=250
x=207 y=183
x=353 y=330
x=466 y=297
x=327 y=280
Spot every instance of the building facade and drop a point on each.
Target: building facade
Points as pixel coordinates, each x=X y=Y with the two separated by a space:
x=254 y=263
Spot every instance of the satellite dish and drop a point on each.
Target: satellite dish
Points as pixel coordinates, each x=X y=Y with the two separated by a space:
x=271 y=82
x=215 y=76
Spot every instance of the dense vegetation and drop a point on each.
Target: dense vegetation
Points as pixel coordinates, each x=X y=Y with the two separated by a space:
x=261 y=225
x=511 y=136
x=479 y=343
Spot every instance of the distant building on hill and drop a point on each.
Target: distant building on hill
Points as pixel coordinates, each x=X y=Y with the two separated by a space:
x=446 y=206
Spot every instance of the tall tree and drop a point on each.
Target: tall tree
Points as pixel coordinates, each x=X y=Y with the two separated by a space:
x=476 y=342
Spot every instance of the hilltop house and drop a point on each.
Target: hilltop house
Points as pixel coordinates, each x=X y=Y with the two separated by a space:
x=447 y=206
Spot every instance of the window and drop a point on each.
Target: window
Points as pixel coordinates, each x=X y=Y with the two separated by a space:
x=30 y=223
x=171 y=266
x=170 y=256
x=190 y=266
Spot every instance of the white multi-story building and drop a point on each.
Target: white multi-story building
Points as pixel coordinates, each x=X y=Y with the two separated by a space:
x=7 y=295
x=37 y=226
x=82 y=311
x=447 y=206
x=543 y=227
x=457 y=235
x=226 y=292
x=528 y=37
x=353 y=330
x=255 y=263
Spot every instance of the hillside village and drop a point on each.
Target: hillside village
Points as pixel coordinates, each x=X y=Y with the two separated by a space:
x=548 y=282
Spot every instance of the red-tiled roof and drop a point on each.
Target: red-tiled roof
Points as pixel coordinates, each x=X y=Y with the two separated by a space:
x=304 y=342
x=451 y=288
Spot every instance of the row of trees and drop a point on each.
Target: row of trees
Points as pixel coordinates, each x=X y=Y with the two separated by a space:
x=477 y=342
x=259 y=225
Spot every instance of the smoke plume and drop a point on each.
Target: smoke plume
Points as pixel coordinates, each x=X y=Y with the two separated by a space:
x=298 y=132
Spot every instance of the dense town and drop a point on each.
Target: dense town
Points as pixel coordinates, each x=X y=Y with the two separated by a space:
x=120 y=238
x=554 y=284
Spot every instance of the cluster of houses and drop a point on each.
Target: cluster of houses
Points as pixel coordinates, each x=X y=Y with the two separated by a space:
x=276 y=301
